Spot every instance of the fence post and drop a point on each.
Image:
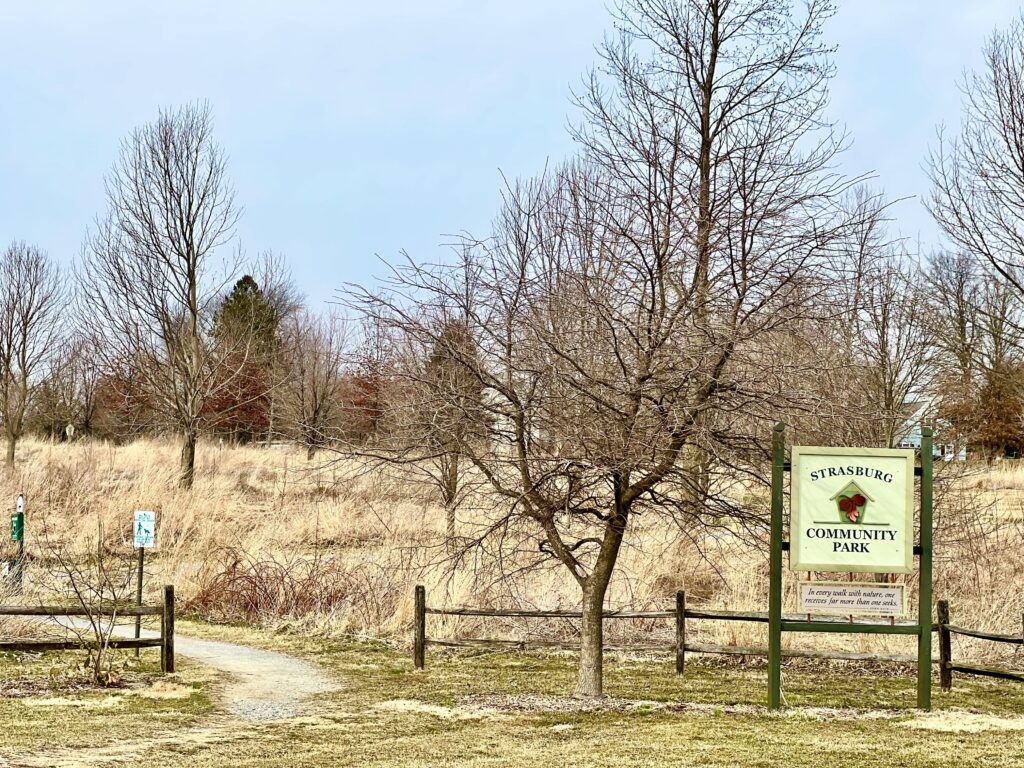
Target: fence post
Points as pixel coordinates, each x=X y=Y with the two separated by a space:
x=945 y=647
x=775 y=569
x=680 y=631
x=138 y=595
x=924 y=582
x=167 y=631
x=420 y=639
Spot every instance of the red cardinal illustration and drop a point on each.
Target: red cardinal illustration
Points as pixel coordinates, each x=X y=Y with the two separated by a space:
x=850 y=507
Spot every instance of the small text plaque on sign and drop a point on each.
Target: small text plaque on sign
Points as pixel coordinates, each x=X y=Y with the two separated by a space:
x=145 y=529
x=846 y=598
x=852 y=510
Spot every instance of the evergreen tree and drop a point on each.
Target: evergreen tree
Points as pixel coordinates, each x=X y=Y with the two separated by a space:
x=246 y=325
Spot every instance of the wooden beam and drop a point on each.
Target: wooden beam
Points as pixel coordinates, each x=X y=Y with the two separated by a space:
x=167 y=630
x=66 y=610
x=36 y=646
x=994 y=637
x=420 y=628
x=975 y=669
x=680 y=632
x=945 y=647
x=733 y=650
x=846 y=627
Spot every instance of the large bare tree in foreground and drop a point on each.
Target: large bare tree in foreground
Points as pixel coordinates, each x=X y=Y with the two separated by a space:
x=628 y=310
x=31 y=297
x=151 y=277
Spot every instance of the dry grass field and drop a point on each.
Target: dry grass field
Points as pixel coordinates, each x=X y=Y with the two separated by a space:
x=319 y=560
x=270 y=539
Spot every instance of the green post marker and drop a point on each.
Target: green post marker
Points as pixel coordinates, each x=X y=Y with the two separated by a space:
x=775 y=563
x=924 y=609
x=18 y=535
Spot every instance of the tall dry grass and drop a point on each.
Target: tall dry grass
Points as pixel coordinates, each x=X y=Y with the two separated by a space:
x=269 y=538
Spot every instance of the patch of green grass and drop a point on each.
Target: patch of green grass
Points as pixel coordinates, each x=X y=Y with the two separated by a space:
x=387 y=714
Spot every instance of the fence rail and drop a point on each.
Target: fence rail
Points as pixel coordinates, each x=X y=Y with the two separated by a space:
x=682 y=645
x=946 y=664
x=165 y=642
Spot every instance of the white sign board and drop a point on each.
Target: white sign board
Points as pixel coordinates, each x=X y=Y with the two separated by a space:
x=847 y=598
x=852 y=510
x=145 y=529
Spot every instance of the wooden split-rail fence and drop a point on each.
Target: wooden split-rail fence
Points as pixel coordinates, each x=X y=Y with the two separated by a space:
x=165 y=641
x=682 y=614
x=947 y=666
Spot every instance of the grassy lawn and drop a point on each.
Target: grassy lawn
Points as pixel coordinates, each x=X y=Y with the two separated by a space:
x=509 y=709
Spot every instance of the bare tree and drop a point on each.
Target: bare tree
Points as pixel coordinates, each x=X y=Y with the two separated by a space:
x=433 y=405
x=894 y=346
x=150 y=278
x=275 y=279
x=976 y=329
x=31 y=298
x=625 y=310
x=978 y=176
x=313 y=388
x=953 y=284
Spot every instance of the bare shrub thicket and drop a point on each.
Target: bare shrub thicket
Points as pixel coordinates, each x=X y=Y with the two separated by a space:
x=93 y=572
x=296 y=588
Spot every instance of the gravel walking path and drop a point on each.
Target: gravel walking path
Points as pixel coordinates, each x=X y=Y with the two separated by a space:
x=263 y=685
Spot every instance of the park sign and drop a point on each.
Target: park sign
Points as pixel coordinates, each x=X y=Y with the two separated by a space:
x=852 y=510
x=145 y=529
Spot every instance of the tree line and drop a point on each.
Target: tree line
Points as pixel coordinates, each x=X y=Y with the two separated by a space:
x=163 y=327
x=621 y=341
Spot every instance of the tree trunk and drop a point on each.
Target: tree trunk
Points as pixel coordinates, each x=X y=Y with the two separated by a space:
x=449 y=521
x=310 y=452
x=188 y=459
x=450 y=492
x=590 y=683
x=9 y=458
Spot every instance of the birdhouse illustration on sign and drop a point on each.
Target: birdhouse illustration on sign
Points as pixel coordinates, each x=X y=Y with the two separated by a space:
x=852 y=503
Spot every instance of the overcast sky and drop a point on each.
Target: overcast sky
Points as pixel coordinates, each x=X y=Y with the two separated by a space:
x=362 y=128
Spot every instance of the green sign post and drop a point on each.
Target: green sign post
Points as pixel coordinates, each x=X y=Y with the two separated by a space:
x=857 y=543
x=18 y=535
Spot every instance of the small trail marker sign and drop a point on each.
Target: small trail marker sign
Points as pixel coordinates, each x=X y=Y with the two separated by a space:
x=852 y=510
x=145 y=529
x=18 y=520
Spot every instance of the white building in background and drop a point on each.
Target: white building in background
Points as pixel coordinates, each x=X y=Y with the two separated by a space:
x=921 y=411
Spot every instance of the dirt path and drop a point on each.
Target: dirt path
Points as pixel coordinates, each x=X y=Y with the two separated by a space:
x=263 y=685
